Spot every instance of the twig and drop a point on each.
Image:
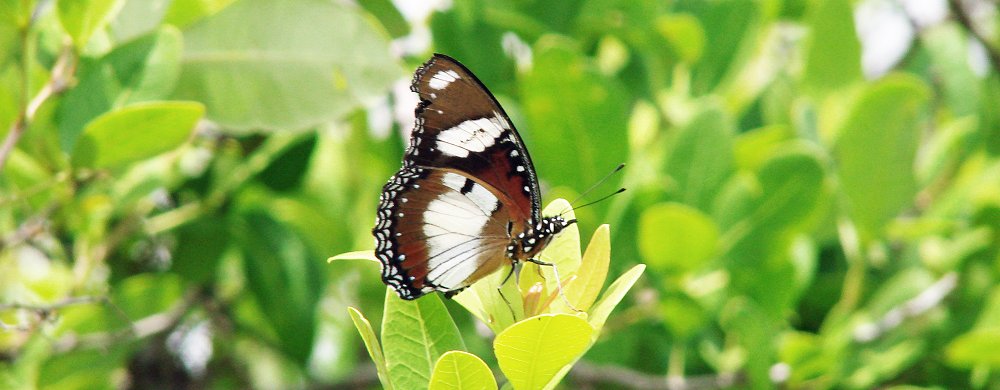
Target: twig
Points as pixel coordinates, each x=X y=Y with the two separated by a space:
x=53 y=306
x=966 y=21
x=916 y=306
x=62 y=72
x=584 y=372
x=141 y=328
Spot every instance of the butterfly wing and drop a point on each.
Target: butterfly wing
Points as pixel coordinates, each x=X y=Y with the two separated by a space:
x=466 y=184
x=438 y=230
x=461 y=126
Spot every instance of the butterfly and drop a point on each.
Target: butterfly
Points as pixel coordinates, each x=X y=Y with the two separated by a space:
x=466 y=200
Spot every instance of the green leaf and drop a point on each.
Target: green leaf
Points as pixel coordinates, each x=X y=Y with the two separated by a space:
x=701 y=158
x=356 y=255
x=583 y=291
x=372 y=345
x=833 y=59
x=614 y=294
x=144 y=69
x=876 y=149
x=135 y=133
x=82 y=18
x=254 y=73
x=284 y=278
x=533 y=351
x=457 y=370
x=570 y=106
x=675 y=237
x=414 y=334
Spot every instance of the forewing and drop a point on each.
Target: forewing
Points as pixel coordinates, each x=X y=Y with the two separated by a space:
x=461 y=126
x=438 y=230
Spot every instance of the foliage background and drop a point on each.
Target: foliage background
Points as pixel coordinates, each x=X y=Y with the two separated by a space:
x=814 y=185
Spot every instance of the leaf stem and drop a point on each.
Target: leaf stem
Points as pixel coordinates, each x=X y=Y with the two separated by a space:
x=59 y=81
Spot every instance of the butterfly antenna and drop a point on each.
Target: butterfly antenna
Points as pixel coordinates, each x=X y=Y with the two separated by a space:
x=599 y=182
x=620 y=190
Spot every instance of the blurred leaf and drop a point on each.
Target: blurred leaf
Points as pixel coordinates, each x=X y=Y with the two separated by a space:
x=373 y=346
x=876 y=148
x=139 y=17
x=948 y=45
x=388 y=15
x=254 y=73
x=200 y=246
x=16 y=13
x=975 y=348
x=485 y=54
x=571 y=107
x=752 y=148
x=949 y=144
x=674 y=237
x=82 y=19
x=185 y=12
x=612 y=296
x=144 y=69
x=457 y=370
x=701 y=158
x=759 y=243
x=533 y=351
x=683 y=316
x=885 y=363
x=146 y=294
x=729 y=26
x=284 y=278
x=135 y=133
x=84 y=369
x=684 y=34
x=833 y=59
x=414 y=334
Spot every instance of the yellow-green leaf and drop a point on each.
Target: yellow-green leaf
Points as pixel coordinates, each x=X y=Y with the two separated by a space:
x=372 y=345
x=533 y=351
x=616 y=291
x=583 y=291
x=563 y=251
x=356 y=255
x=458 y=370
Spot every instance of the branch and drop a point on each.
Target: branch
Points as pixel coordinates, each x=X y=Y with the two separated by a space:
x=916 y=306
x=966 y=21
x=62 y=73
x=138 y=329
x=44 y=310
x=584 y=372
x=53 y=306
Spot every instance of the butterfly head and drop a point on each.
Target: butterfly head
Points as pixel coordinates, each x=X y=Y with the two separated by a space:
x=536 y=236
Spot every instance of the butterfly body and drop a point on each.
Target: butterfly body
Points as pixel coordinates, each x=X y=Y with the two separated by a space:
x=466 y=200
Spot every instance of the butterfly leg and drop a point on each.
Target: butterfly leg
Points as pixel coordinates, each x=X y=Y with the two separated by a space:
x=555 y=271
